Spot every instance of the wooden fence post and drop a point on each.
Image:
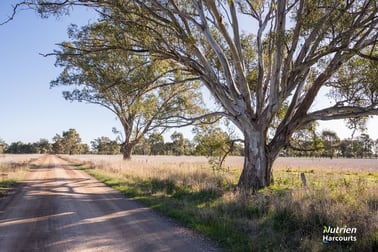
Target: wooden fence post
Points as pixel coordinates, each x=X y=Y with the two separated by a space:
x=303 y=178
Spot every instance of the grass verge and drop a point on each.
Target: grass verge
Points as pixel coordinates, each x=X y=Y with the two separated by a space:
x=6 y=185
x=10 y=174
x=284 y=217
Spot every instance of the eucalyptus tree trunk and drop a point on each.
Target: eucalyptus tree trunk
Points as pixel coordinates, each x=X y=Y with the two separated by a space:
x=257 y=170
x=127 y=150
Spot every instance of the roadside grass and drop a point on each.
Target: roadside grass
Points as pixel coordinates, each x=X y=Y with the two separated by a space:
x=12 y=170
x=5 y=185
x=284 y=217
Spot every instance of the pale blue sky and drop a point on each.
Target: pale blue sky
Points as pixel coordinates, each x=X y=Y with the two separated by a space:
x=29 y=109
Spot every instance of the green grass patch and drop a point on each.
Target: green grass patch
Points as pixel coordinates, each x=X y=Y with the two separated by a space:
x=10 y=174
x=6 y=185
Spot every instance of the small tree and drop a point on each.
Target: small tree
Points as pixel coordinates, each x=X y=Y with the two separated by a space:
x=71 y=142
x=57 y=145
x=214 y=143
x=366 y=146
x=330 y=142
x=142 y=147
x=3 y=146
x=346 y=148
x=306 y=141
x=43 y=146
x=188 y=147
x=68 y=143
x=177 y=143
x=156 y=142
x=104 y=145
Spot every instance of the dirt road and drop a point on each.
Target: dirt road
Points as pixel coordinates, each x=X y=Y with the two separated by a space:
x=61 y=208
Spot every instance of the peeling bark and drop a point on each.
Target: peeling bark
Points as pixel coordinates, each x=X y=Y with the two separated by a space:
x=257 y=170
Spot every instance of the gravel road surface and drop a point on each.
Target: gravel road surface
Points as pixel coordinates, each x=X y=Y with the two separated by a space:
x=60 y=208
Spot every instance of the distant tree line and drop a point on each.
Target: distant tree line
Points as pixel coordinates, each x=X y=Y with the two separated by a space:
x=212 y=142
x=67 y=143
x=209 y=143
x=309 y=143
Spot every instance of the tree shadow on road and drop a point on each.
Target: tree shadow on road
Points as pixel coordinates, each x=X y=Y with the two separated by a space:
x=60 y=214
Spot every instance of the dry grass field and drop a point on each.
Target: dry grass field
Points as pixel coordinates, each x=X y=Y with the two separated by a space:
x=13 y=168
x=6 y=159
x=286 y=216
x=341 y=164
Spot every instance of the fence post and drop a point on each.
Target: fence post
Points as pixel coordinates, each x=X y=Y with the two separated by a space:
x=303 y=178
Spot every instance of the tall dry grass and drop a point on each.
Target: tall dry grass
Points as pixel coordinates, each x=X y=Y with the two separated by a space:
x=13 y=168
x=192 y=172
x=286 y=216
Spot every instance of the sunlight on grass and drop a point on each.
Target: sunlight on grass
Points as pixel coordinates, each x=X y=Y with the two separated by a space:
x=13 y=168
x=286 y=216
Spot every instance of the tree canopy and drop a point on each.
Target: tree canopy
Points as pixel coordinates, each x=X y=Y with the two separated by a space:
x=145 y=93
x=68 y=143
x=298 y=48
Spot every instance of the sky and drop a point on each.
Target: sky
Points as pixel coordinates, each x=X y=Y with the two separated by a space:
x=30 y=109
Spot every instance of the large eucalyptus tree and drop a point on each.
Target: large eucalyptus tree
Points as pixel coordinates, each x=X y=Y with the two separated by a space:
x=146 y=94
x=296 y=49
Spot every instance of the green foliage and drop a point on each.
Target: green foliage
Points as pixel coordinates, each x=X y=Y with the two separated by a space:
x=309 y=142
x=103 y=145
x=3 y=146
x=363 y=147
x=20 y=147
x=68 y=143
x=146 y=93
x=43 y=146
x=213 y=143
x=6 y=185
x=355 y=84
x=156 y=143
x=177 y=143
x=330 y=142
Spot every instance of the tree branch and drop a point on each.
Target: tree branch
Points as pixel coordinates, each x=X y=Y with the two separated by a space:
x=337 y=112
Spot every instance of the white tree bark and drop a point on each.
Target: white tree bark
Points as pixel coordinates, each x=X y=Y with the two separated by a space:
x=294 y=59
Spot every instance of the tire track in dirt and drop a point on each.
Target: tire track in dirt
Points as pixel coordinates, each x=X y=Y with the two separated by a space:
x=61 y=208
